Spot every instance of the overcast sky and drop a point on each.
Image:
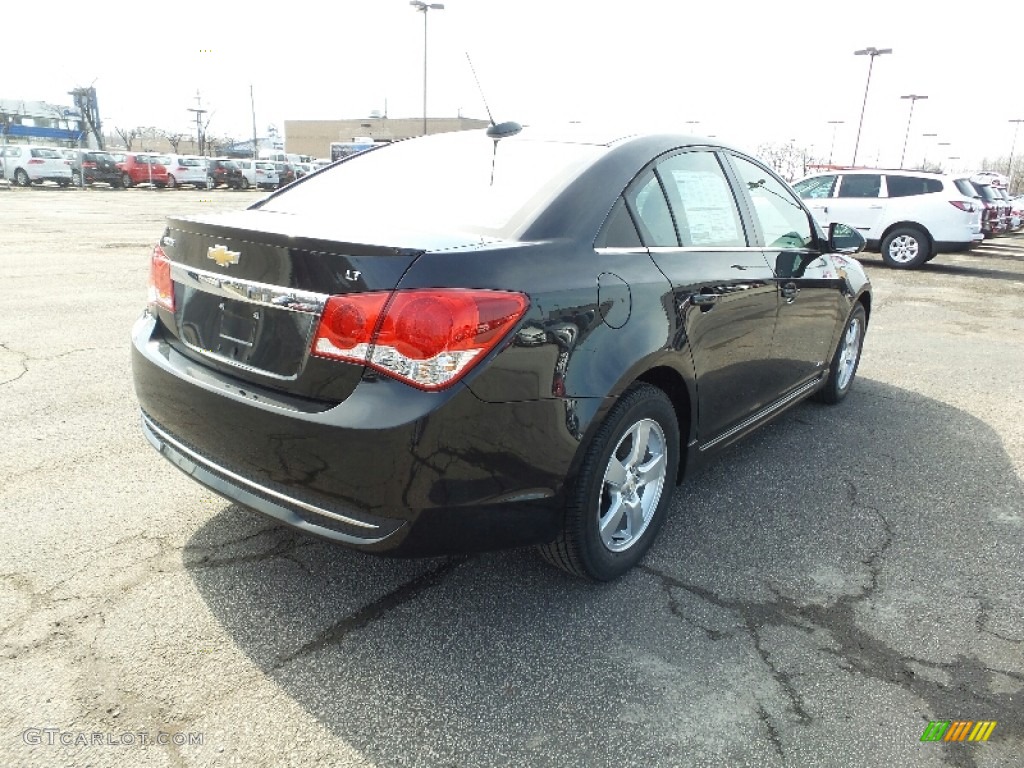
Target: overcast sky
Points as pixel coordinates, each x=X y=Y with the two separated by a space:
x=749 y=72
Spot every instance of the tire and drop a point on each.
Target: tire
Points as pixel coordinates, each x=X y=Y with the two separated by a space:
x=126 y=181
x=846 y=359
x=244 y=183
x=209 y=182
x=615 y=477
x=172 y=183
x=62 y=183
x=21 y=178
x=76 y=178
x=906 y=248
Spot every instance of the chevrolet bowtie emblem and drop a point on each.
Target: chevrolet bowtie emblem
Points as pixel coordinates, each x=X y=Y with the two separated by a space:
x=223 y=256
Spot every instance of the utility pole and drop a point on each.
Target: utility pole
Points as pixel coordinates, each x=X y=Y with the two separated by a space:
x=199 y=123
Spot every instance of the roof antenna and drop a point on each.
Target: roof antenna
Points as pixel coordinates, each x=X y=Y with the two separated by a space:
x=496 y=130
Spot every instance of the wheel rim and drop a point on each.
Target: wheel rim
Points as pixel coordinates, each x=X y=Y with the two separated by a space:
x=22 y=178
x=632 y=485
x=126 y=180
x=171 y=182
x=904 y=248
x=849 y=354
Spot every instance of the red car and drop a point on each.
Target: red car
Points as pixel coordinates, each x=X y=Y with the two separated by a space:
x=141 y=168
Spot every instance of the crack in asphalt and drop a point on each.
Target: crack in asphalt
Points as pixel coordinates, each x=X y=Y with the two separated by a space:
x=22 y=360
x=379 y=608
x=860 y=652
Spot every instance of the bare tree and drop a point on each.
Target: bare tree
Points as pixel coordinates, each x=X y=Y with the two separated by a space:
x=174 y=139
x=788 y=160
x=128 y=135
x=1015 y=176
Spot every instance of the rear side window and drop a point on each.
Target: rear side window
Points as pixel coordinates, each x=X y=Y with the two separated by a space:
x=653 y=215
x=618 y=230
x=908 y=186
x=866 y=185
x=702 y=200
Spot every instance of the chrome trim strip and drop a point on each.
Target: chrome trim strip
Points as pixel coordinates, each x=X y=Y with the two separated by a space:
x=705 y=249
x=764 y=412
x=262 y=294
x=211 y=466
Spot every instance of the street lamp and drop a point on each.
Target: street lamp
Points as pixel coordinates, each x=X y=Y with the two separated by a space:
x=924 y=161
x=913 y=99
x=422 y=7
x=872 y=52
x=1013 y=146
x=835 y=124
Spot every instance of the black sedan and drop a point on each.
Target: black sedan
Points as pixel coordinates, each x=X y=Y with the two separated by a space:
x=493 y=339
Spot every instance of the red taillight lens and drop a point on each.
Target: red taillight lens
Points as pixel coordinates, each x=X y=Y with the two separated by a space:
x=963 y=205
x=428 y=338
x=161 y=288
x=88 y=164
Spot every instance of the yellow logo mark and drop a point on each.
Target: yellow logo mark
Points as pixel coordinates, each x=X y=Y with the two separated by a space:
x=223 y=256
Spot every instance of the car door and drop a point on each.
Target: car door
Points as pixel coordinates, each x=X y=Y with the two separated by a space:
x=859 y=202
x=809 y=285
x=724 y=296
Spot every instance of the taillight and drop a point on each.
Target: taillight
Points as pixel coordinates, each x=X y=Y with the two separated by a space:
x=161 y=288
x=88 y=164
x=428 y=338
x=963 y=205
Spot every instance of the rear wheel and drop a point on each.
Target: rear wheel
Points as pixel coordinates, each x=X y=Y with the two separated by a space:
x=244 y=183
x=906 y=248
x=21 y=178
x=620 y=498
x=126 y=181
x=171 y=182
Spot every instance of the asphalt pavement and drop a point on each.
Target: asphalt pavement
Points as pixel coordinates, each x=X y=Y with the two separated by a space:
x=819 y=595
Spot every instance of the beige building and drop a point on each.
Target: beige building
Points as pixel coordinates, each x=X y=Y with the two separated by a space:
x=314 y=137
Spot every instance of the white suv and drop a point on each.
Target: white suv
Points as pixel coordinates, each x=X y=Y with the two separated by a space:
x=26 y=164
x=910 y=216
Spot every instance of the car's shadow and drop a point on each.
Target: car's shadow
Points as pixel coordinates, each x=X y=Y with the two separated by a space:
x=986 y=261
x=810 y=577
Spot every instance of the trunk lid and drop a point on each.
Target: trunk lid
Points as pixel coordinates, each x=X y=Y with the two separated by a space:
x=249 y=289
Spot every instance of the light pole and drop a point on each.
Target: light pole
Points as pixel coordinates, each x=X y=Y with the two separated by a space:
x=835 y=124
x=913 y=99
x=422 y=7
x=872 y=52
x=1013 y=146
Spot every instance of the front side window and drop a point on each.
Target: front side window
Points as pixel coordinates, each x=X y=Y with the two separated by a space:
x=861 y=185
x=702 y=200
x=784 y=222
x=818 y=187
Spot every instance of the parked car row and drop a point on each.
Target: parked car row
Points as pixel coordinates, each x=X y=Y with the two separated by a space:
x=909 y=216
x=25 y=165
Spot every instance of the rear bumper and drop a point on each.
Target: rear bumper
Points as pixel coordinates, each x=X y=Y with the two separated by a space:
x=391 y=469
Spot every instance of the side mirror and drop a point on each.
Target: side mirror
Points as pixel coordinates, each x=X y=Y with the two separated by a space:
x=842 y=238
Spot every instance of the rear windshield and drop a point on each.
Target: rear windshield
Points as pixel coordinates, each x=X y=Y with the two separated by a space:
x=987 y=193
x=966 y=188
x=50 y=154
x=446 y=181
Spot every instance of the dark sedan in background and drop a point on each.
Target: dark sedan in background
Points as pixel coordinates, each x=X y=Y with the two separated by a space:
x=491 y=339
